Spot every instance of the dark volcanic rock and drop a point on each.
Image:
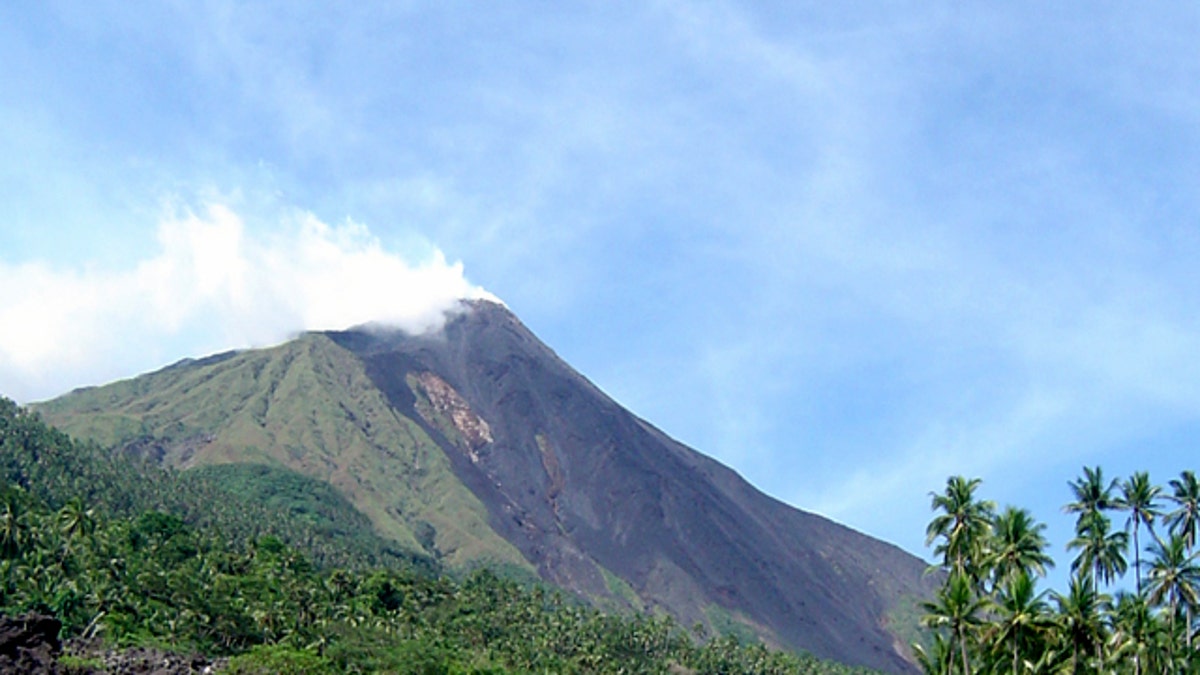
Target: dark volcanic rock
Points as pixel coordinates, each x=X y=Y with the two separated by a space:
x=140 y=661
x=581 y=486
x=29 y=644
x=144 y=661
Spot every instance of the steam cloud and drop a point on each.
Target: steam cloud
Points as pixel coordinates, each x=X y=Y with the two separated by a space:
x=211 y=285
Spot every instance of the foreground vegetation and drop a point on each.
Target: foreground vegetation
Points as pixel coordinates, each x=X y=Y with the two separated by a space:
x=133 y=555
x=990 y=617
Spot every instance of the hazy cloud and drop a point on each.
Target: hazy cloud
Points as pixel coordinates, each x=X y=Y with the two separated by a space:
x=212 y=284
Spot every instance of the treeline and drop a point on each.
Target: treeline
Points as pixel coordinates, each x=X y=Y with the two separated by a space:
x=172 y=577
x=990 y=617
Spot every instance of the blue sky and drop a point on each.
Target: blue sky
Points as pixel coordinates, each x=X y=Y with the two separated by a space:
x=847 y=248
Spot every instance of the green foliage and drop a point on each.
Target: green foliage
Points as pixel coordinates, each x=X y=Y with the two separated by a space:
x=74 y=663
x=241 y=502
x=990 y=617
x=279 y=659
x=313 y=511
x=726 y=624
x=960 y=526
x=153 y=569
x=626 y=597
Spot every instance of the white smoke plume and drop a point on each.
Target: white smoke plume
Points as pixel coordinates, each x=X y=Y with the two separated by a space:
x=211 y=285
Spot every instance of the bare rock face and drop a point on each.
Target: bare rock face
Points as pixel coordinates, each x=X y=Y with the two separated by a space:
x=30 y=644
x=446 y=403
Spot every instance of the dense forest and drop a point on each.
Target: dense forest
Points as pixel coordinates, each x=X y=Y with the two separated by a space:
x=262 y=566
x=990 y=617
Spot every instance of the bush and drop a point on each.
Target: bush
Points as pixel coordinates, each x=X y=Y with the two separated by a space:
x=279 y=660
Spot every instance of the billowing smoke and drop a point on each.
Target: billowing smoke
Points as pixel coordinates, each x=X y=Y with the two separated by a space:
x=211 y=285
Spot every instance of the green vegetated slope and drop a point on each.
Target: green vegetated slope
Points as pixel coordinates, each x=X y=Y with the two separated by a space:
x=74 y=544
x=306 y=405
x=56 y=471
x=304 y=501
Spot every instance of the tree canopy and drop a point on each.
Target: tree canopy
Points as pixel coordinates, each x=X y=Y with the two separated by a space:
x=991 y=618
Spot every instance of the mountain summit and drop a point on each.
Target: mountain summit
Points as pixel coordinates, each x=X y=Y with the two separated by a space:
x=478 y=445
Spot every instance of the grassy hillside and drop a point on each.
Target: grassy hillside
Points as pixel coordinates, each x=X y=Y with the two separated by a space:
x=308 y=406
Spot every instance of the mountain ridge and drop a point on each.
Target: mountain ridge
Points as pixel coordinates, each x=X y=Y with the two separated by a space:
x=592 y=497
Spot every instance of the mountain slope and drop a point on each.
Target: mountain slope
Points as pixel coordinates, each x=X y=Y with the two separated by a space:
x=581 y=486
x=511 y=456
x=306 y=405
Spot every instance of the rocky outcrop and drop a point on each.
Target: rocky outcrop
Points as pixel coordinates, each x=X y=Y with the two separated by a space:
x=444 y=403
x=30 y=644
x=142 y=661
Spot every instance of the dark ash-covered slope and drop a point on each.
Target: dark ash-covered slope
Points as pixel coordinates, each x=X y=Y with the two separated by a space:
x=603 y=503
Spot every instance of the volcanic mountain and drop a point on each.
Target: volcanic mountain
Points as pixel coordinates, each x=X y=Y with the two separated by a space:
x=479 y=446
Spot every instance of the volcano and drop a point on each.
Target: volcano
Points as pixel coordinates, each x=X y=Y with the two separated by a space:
x=477 y=445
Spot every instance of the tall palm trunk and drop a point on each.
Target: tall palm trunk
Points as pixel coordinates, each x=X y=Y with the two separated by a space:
x=1137 y=557
x=1174 y=611
x=962 y=645
x=1187 y=629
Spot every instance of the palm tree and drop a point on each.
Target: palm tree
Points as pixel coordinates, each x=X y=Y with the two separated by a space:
x=957 y=610
x=1022 y=614
x=1081 y=619
x=1174 y=577
x=1185 y=519
x=76 y=521
x=1092 y=494
x=938 y=659
x=1138 y=497
x=963 y=524
x=14 y=528
x=1017 y=546
x=1135 y=630
x=1101 y=552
